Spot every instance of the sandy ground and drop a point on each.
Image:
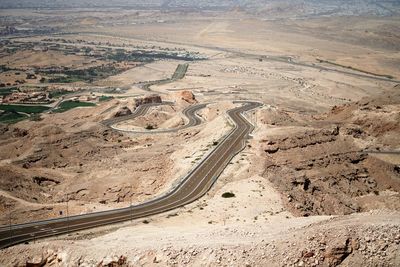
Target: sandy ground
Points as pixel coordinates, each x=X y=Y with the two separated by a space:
x=253 y=228
x=43 y=59
x=274 y=219
x=149 y=72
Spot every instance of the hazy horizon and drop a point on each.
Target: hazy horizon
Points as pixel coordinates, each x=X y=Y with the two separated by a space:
x=324 y=7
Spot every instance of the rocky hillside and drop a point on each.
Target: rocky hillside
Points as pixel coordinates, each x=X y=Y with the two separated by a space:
x=337 y=163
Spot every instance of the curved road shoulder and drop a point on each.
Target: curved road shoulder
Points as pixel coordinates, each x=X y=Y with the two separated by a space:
x=192 y=187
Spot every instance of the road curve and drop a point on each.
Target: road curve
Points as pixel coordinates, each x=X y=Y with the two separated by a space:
x=192 y=187
x=179 y=74
x=190 y=113
x=139 y=111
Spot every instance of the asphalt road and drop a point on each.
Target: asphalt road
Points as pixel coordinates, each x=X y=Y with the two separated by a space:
x=192 y=187
x=179 y=74
x=139 y=111
x=190 y=114
x=281 y=59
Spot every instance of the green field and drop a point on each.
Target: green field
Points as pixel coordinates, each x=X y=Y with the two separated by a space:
x=23 y=108
x=67 y=105
x=12 y=117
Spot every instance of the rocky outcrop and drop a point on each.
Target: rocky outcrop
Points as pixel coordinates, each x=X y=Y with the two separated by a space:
x=37 y=261
x=114 y=261
x=188 y=97
x=302 y=140
x=44 y=181
x=123 y=112
x=322 y=172
x=320 y=165
x=7 y=131
x=151 y=99
x=338 y=251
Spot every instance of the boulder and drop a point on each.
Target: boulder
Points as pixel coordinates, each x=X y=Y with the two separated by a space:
x=338 y=251
x=36 y=261
x=188 y=97
x=124 y=111
x=151 y=99
x=113 y=261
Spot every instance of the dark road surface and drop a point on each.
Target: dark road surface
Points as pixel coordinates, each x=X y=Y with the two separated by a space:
x=190 y=114
x=192 y=187
x=139 y=111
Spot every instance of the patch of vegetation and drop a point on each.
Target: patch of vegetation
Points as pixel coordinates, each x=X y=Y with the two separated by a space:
x=149 y=127
x=23 y=108
x=7 y=91
x=12 y=117
x=4 y=68
x=147 y=56
x=67 y=105
x=36 y=117
x=58 y=93
x=65 y=79
x=104 y=98
x=228 y=195
x=86 y=75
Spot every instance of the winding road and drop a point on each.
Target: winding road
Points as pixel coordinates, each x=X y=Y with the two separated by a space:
x=191 y=188
x=190 y=113
x=139 y=111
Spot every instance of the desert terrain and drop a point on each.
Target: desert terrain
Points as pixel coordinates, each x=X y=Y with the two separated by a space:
x=317 y=184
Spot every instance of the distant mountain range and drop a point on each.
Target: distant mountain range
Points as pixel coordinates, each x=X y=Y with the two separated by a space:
x=275 y=8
